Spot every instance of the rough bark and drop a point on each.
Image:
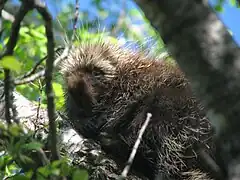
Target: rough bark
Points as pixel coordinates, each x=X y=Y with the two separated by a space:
x=208 y=55
x=83 y=153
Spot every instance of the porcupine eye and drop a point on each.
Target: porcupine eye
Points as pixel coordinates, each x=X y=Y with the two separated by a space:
x=96 y=73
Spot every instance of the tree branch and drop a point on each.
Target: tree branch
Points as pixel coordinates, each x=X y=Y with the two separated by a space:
x=135 y=147
x=75 y=20
x=48 y=78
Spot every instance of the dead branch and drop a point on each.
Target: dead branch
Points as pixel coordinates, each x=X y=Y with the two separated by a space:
x=135 y=147
x=30 y=78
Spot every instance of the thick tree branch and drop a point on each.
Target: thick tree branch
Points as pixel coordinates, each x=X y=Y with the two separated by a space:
x=208 y=55
x=48 y=78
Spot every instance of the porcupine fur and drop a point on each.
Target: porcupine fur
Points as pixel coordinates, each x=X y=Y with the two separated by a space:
x=110 y=89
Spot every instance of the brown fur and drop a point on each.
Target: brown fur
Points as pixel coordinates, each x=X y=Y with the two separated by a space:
x=109 y=90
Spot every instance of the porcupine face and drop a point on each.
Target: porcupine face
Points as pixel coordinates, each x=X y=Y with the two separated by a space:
x=87 y=71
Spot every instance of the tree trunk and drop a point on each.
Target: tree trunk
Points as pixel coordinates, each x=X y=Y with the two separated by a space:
x=206 y=52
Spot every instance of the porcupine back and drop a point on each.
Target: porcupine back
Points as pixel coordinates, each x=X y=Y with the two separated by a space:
x=110 y=89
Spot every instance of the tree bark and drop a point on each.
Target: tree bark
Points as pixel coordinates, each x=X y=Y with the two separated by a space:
x=208 y=55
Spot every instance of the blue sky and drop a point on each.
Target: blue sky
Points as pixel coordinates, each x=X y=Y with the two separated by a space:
x=230 y=16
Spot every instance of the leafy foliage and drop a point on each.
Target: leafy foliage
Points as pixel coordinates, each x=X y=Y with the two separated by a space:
x=15 y=148
x=10 y=62
x=219 y=4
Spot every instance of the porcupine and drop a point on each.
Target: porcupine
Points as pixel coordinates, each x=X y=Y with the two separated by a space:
x=110 y=89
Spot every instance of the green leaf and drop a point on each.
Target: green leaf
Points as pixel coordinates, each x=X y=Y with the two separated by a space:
x=134 y=12
x=33 y=146
x=38 y=34
x=80 y=175
x=233 y=2
x=55 y=172
x=112 y=39
x=65 y=169
x=230 y=32
x=58 y=90
x=218 y=8
x=103 y=13
x=15 y=130
x=45 y=171
x=19 y=177
x=10 y=62
x=24 y=30
x=7 y=171
x=55 y=164
x=25 y=159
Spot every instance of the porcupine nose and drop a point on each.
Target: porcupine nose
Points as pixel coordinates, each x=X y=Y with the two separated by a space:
x=81 y=91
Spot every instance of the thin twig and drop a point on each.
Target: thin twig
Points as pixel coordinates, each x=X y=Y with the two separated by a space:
x=41 y=73
x=75 y=20
x=135 y=147
x=8 y=87
x=39 y=98
x=120 y=18
x=48 y=78
x=33 y=70
x=31 y=78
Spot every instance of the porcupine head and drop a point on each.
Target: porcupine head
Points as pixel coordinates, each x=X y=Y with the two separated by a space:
x=101 y=80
